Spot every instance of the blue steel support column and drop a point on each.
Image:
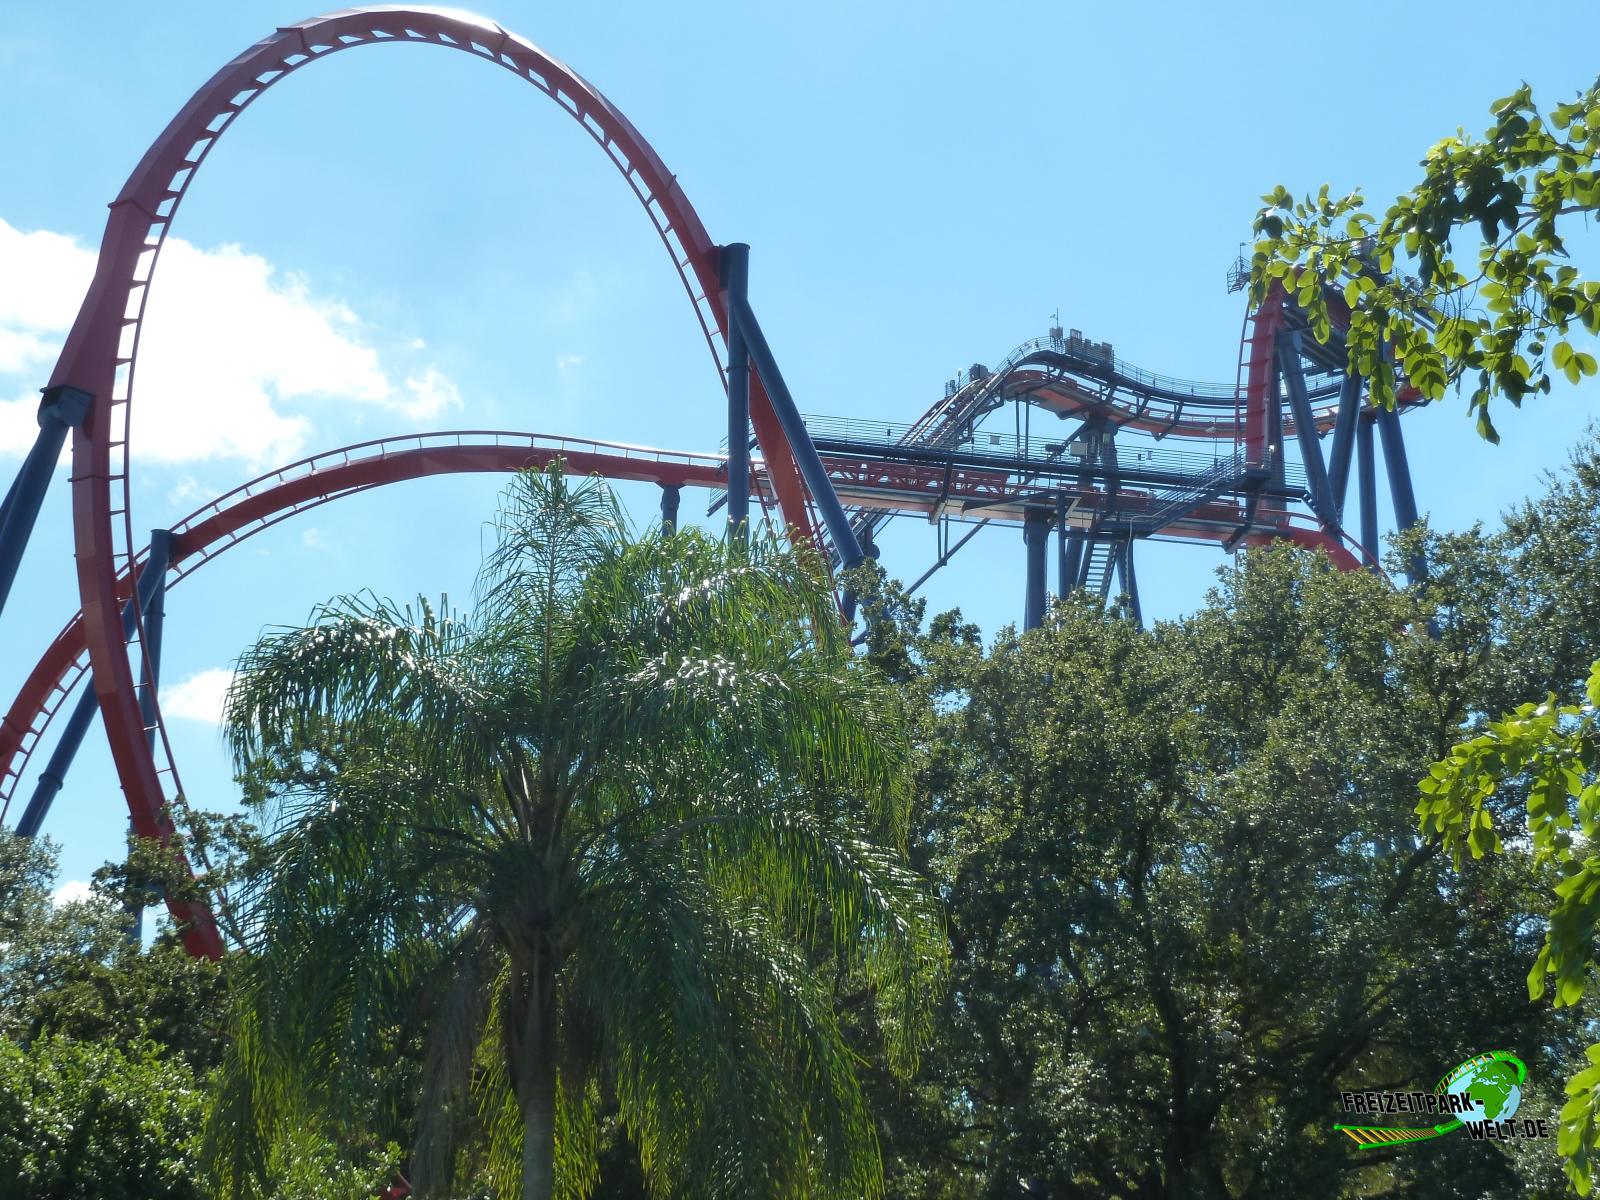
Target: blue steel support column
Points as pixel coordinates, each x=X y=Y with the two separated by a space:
x=736 y=280
x=1036 y=537
x=1400 y=493
x=61 y=409
x=155 y=614
x=1068 y=548
x=1108 y=460
x=1344 y=434
x=5 y=505
x=152 y=574
x=1367 y=483
x=1130 y=585
x=1305 y=430
x=671 y=493
x=1072 y=564
x=1275 y=422
x=869 y=549
x=800 y=444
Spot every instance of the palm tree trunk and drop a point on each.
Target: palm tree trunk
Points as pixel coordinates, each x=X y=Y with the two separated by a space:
x=536 y=1075
x=539 y=1136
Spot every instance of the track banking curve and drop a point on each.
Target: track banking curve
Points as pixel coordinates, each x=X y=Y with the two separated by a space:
x=1070 y=375
x=101 y=349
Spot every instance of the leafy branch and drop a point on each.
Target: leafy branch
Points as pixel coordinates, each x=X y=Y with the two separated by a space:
x=1501 y=329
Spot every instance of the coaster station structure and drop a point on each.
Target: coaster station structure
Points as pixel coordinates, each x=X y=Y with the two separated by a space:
x=1125 y=455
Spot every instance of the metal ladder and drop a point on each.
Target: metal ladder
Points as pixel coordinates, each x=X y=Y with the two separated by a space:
x=1098 y=567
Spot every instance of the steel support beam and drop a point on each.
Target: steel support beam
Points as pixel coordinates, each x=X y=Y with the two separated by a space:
x=62 y=408
x=1367 y=485
x=155 y=615
x=151 y=576
x=5 y=505
x=799 y=438
x=1400 y=493
x=1036 y=538
x=671 y=494
x=1130 y=584
x=1251 y=503
x=1305 y=431
x=944 y=558
x=1344 y=435
x=736 y=282
x=1108 y=460
x=869 y=549
x=1069 y=550
x=1274 y=417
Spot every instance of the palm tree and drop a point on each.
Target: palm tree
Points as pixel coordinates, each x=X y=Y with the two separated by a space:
x=590 y=844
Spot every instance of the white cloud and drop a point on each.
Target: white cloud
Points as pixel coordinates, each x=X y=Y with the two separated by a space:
x=19 y=424
x=74 y=891
x=312 y=539
x=23 y=351
x=199 y=697
x=43 y=276
x=187 y=488
x=566 y=362
x=237 y=359
x=432 y=394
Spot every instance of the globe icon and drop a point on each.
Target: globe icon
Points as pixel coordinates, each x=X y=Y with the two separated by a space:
x=1494 y=1085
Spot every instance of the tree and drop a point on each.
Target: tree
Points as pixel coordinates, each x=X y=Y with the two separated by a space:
x=1501 y=329
x=69 y=970
x=40 y=940
x=589 y=842
x=101 y=1045
x=1498 y=325
x=1186 y=896
x=91 y=1121
x=1530 y=779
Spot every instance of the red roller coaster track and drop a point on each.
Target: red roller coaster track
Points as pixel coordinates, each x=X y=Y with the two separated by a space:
x=101 y=350
x=250 y=508
x=216 y=527
x=100 y=356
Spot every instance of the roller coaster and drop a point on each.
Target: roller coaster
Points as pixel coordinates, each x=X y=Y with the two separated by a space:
x=1060 y=437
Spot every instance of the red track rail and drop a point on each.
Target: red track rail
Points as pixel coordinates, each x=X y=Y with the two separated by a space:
x=263 y=502
x=101 y=349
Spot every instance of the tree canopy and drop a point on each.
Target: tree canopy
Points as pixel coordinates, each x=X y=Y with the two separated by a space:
x=1188 y=903
x=1519 y=312
x=1178 y=876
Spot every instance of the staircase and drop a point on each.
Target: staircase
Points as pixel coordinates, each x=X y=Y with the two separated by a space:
x=1180 y=502
x=1098 y=566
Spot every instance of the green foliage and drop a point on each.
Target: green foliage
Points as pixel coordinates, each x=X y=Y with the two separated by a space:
x=307 y=1165
x=103 y=1044
x=1500 y=326
x=1186 y=896
x=1549 y=752
x=585 y=852
x=70 y=971
x=92 y=1121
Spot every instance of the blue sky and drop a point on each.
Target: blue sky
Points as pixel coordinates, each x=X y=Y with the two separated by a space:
x=401 y=239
